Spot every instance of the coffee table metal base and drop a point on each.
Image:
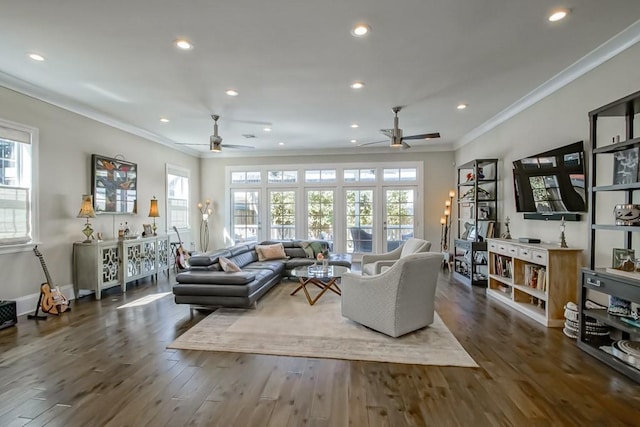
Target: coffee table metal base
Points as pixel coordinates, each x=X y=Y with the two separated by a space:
x=330 y=285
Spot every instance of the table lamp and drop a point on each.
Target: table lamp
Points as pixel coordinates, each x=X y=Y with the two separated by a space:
x=154 y=213
x=86 y=211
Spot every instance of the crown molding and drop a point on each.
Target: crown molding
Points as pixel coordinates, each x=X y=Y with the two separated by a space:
x=612 y=47
x=21 y=86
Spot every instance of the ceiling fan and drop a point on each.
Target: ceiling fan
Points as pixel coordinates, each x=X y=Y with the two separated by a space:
x=395 y=135
x=215 y=142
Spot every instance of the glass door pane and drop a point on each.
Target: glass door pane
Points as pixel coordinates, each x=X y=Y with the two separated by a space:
x=282 y=214
x=320 y=214
x=359 y=208
x=245 y=215
x=399 y=220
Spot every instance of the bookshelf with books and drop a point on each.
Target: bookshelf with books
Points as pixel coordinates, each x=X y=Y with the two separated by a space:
x=535 y=279
x=477 y=211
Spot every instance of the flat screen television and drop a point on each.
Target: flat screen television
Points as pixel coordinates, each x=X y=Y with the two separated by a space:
x=551 y=182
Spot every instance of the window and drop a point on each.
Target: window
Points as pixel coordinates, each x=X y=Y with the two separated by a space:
x=361 y=175
x=245 y=177
x=312 y=176
x=287 y=177
x=401 y=174
x=177 y=197
x=282 y=210
x=359 y=220
x=246 y=215
x=17 y=196
x=320 y=214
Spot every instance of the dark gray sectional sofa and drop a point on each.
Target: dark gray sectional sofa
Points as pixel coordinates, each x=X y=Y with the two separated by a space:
x=206 y=285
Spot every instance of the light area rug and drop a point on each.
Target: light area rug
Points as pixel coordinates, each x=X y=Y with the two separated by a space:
x=287 y=325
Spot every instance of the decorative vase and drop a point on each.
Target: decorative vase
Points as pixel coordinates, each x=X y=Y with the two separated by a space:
x=627 y=214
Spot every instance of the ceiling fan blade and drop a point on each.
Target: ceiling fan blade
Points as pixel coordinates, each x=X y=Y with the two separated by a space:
x=423 y=136
x=193 y=144
x=405 y=145
x=372 y=143
x=388 y=132
x=239 y=147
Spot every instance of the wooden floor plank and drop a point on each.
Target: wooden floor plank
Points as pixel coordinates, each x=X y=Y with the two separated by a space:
x=105 y=365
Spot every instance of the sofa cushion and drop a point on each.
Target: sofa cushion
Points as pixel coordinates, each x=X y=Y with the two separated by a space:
x=272 y=265
x=228 y=266
x=267 y=252
x=207 y=259
x=219 y=278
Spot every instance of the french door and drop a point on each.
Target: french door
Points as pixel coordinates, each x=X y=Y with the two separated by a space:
x=399 y=220
x=245 y=218
x=360 y=214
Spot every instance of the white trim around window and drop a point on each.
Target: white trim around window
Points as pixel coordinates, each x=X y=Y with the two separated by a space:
x=410 y=174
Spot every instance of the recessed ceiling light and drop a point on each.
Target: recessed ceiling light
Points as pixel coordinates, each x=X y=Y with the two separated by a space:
x=267 y=129
x=36 y=57
x=184 y=44
x=558 y=15
x=353 y=141
x=360 y=30
x=461 y=106
x=357 y=85
x=232 y=92
x=355 y=125
x=280 y=143
x=164 y=120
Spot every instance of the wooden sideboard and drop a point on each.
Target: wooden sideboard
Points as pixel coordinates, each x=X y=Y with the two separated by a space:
x=103 y=264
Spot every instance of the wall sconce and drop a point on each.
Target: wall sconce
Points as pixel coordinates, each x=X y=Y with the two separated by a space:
x=154 y=213
x=205 y=210
x=86 y=211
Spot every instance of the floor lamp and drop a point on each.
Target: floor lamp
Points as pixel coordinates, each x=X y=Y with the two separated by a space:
x=205 y=210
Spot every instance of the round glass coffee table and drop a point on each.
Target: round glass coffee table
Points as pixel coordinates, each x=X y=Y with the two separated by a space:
x=325 y=279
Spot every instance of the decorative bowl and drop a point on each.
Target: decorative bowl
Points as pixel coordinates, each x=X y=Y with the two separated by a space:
x=627 y=214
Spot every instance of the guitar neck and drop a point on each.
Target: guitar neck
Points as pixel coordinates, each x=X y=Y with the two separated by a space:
x=46 y=270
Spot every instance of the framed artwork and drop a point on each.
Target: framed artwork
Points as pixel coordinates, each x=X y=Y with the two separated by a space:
x=114 y=185
x=625 y=166
x=148 y=231
x=623 y=259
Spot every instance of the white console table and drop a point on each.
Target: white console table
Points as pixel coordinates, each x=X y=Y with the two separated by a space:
x=104 y=264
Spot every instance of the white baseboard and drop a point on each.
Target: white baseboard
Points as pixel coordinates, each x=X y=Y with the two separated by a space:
x=27 y=304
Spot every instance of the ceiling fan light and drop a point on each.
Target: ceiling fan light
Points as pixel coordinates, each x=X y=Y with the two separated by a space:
x=215 y=147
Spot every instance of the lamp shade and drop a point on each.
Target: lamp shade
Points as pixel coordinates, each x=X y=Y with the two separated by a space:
x=86 y=209
x=153 y=208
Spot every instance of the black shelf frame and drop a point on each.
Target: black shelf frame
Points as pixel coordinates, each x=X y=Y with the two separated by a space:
x=475 y=203
x=597 y=279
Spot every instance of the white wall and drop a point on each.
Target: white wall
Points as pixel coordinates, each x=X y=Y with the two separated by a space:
x=559 y=119
x=67 y=141
x=437 y=183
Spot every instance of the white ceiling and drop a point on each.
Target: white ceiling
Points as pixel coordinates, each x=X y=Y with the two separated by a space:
x=293 y=60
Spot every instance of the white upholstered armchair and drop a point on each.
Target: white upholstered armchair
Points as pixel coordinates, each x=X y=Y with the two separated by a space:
x=397 y=301
x=372 y=264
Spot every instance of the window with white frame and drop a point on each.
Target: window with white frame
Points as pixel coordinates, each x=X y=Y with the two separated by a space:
x=177 y=197
x=324 y=201
x=17 y=190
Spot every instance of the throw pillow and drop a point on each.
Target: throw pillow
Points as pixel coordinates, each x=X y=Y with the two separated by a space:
x=228 y=266
x=267 y=252
x=308 y=250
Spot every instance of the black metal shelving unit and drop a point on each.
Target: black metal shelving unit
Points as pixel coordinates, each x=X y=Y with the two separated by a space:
x=477 y=208
x=619 y=115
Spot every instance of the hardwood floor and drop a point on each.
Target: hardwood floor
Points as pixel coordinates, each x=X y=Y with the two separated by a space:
x=103 y=364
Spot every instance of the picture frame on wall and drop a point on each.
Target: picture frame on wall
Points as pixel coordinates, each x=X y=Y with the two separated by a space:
x=114 y=185
x=625 y=166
